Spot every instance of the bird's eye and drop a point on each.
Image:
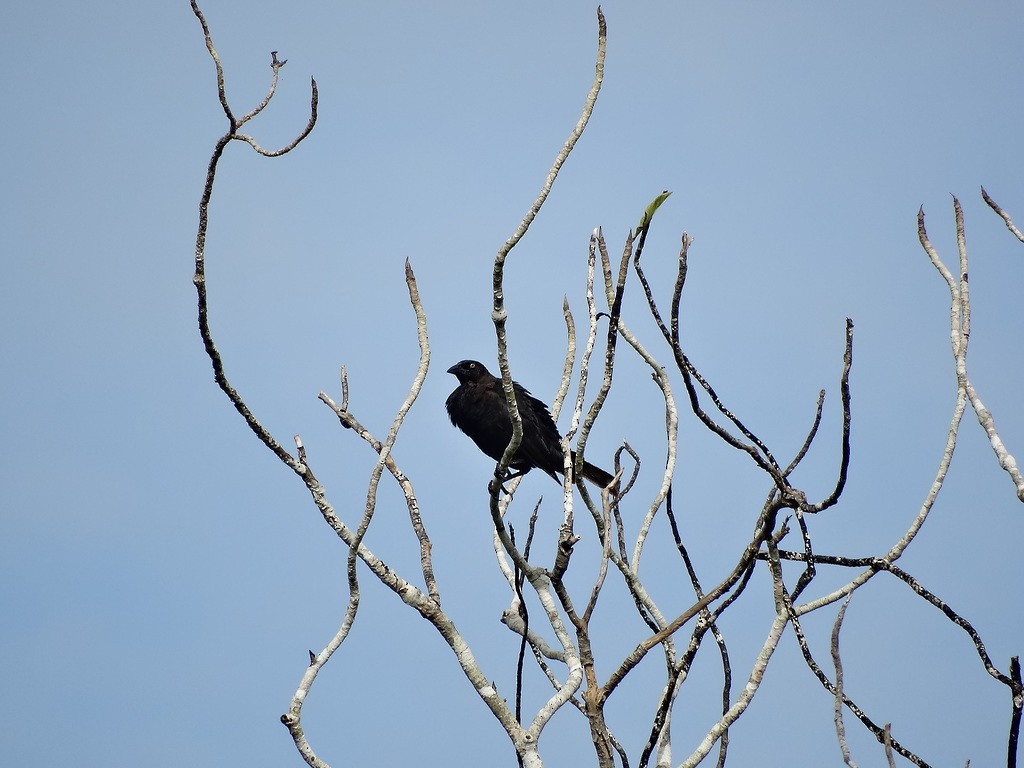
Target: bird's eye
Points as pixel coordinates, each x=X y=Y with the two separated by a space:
x=472 y=365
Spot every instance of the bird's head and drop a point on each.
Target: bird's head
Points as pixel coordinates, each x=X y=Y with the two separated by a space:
x=468 y=371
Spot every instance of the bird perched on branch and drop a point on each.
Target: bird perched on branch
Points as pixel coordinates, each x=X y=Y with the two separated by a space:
x=478 y=407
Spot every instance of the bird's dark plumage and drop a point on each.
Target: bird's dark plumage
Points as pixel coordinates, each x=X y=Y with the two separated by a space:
x=478 y=407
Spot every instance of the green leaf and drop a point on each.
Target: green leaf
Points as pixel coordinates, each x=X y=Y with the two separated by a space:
x=645 y=220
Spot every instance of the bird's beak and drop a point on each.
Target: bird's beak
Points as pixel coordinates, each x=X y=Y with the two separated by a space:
x=454 y=369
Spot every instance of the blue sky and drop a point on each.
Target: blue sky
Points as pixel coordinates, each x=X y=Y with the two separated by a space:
x=162 y=575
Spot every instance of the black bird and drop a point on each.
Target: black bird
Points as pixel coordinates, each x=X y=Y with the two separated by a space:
x=478 y=407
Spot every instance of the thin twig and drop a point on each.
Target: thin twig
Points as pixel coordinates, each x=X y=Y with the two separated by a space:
x=661 y=378
x=811 y=433
x=757 y=450
x=1017 y=707
x=880 y=564
x=570 y=359
x=708 y=619
x=1003 y=215
x=887 y=744
x=745 y=697
x=877 y=730
x=844 y=461
x=837 y=661
x=746 y=559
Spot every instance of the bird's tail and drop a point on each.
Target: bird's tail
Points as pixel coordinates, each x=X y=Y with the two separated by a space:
x=596 y=475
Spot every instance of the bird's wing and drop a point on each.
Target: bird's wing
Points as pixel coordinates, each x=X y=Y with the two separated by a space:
x=541 y=446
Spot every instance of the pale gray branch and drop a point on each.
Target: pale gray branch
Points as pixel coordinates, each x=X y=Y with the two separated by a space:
x=1003 y=215
x=837 y=662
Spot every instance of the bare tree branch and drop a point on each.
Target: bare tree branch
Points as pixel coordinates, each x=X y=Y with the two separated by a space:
x=570 y=359
x=887 y=744
x=837 y=661
x=960 y=323
x=427 y=605
x=744 y=699
x=879 y=733
x=1003 y=215
x=199 y=278
x=571 y=661
x=1017 y=707
x=671 y=412
x=498 y=314
x=844 y=390
x=958 y=340
x=756 y=449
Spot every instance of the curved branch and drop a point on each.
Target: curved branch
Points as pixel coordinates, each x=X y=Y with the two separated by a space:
x=199 y=278
x=960 y=328
x=499 y=314
x=1003 y=215
x=746 y=559
x=837 y=662
x=844 y=461
x=221 y=91
x=313 y=101
x=756 y=449
x=881 y=733
x=427 y=605
x=744 y=699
